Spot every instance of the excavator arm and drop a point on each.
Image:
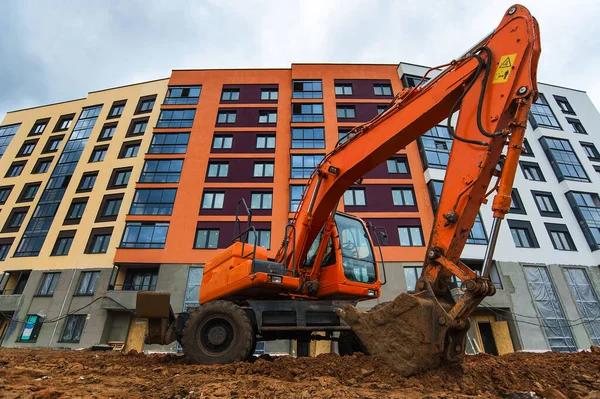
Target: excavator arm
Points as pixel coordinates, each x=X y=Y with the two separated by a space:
x=493 y=86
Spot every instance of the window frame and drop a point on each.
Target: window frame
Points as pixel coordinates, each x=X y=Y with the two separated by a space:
x=560 y=229
x=555 y=212
x=410 y=236
x=207 y=242
x=531 y=165
x=144 y=244
x=523 y=225
x=77 y=329
x=266 y=166
x=212 y=200
x=92 y=281
x=354 y=196
x=48 y=291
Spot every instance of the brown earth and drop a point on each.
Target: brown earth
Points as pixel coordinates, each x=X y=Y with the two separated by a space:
x=45 y=373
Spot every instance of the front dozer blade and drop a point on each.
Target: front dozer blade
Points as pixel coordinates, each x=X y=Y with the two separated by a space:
x=411 y=334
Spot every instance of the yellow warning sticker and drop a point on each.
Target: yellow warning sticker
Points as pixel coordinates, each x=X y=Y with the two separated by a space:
x=504 y=68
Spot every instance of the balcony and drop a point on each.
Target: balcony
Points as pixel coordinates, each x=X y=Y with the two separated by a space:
x=122 y=300
x=10 y=302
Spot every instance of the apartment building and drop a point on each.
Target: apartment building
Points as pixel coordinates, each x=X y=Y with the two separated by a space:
x=143 y=188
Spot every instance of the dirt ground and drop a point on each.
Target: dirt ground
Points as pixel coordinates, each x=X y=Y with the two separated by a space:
x=45 y=373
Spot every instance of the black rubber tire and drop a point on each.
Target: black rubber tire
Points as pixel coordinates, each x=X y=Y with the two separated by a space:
x=349 y=343
x=224 y=320
x=253 y=348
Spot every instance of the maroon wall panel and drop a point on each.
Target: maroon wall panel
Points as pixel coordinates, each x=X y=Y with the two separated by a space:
x=250 y=94
x=241 y=170
x=248 y=117
x=391 y=227
x=232 y=197
x=379 y=199
x=363 y=112
x=381 y=172
x=363 y=88
x=244 y=142
x=226 y=230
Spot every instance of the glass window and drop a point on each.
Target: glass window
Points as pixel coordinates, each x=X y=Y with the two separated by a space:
x=39 y=127
x=64 y=122
x=477 y=235
x=183 y=95
x=267 y=117
x=411 y=275
x=111 y=207
x=218 y=169
x=563 y=160
x=586 y=207
x=522 y=234
x=560 y=237
x=116 y=110
x=591 y=151
x=435 y=146
x=541 y=114
x=264 y=169
x=4 y=193
x=42 y=166
x=121 y=178
x=169 y=143
x=98 y=154
x=141 y=279
x=357 y=254
x=345 y=112
x=261 y=201
x=226 y=117
x=295 y=196
x=192 y=289
x=29 y=192
x=382 y=90
x=100 y=243
x=355 y=197
x=177 y=118
x=411 y=236
x=303 y=165
x=130 y=150
x=403 y=196
x=107 y=132
x=526 y=150
x=586 y=301
x=263 y=238
x=307 y=112
x=161 y=171
x=27 y=148
x=138 y=128
x=230 y=95
x=213 y=200
x=222 y=142
x=576 y=126
x=15 y=219
x=532 y=171
x=53 y=144
x=153 y=201
x=48 y=284
x=76 y=210
x=87 y=181
x=343 y=89
x=206 y=239
x=413 y=81
x=6 y=135
x=265 y=141
x=546 y=204
x=309 y=137
x=4 y=248
x=516 y=204
x=564 y=105
x=269 y=94
x=73 y=328
x=307 y=89
x=145 y=235
x=31 y=328
x=87 y=283
x=146 y=105
x=15 y=169
x=62 y=246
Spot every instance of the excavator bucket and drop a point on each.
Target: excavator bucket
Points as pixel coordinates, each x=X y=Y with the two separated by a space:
x=411 y=334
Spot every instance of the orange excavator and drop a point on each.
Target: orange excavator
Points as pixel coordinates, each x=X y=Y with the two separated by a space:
x=326 y=262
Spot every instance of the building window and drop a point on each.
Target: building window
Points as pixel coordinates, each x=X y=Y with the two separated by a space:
x=64 y=122
x=213 y=200
x=522 y=234
x=435 y=146
x=222 y=142
x=73 y=328
x=532 y=171
x=161 y=171
x=541 y=114
x=526 y=150
x=516 y=204
x=141 y=279
x=99 y=240
x=412 y=81
x=586 y=207
x=29 y=192
x=6 y=135
x=169 y=143
x=307 y=89
x=563 y=160
x=586 y=301
x=345 y=112
x=591 y=151
x=53 y=144
x=145 y=235
x=27 y=148
x=576 y=126
x=130 y=149
x=174 y=119
x=263 y=169
x=206 y=239
x=309 y=137
x=303 y=165
x=403 y=196
x=87 y=181
x=343 y=89
x=381 y=109
x=186 y=95
x=218 y=169
x=411 y=236
x=48 y=284
x=265 y=141
x=269 y=94
x=38 y=127
x=116 y=110
x=477 y=235
x=307 y=112
x=4 y=193
x=15 y=219
x=63 y=243
x=98 y=154
x=546 y=204
x=226 y=117
x=75 y=211
x=110 y=207
x=42 y=165
x=87 y=283
x=344 y=135
x=397 y=165
x=153 y=201
x=107 y=132
x=230 y=95
x=560 y=237
x=15 y=169
x=137 y=127
x=145 y=104
x=261 y=201
x=4 y=248
x=553 y=320
x=355 y=197
x=262 y=238
x=267 y=117
x=382 y=90
x=119 y=178
x=295 y=196
x=411 y=276
x=564 y=105
x=31 y=328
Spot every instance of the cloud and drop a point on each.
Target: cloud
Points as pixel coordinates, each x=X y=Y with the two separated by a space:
x=60 y=50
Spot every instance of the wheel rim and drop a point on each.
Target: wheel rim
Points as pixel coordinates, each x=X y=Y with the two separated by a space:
x=216 y=335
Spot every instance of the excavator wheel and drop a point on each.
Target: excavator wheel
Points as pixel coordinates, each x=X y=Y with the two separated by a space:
x=218 y=332
x=349 y=342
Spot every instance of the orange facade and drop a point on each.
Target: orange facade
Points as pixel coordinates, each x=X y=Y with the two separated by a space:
x=187 y=213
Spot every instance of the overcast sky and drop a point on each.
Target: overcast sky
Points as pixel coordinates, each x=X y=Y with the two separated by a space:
x=58 y=50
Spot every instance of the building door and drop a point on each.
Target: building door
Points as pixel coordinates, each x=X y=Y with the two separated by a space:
x=487 y=338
